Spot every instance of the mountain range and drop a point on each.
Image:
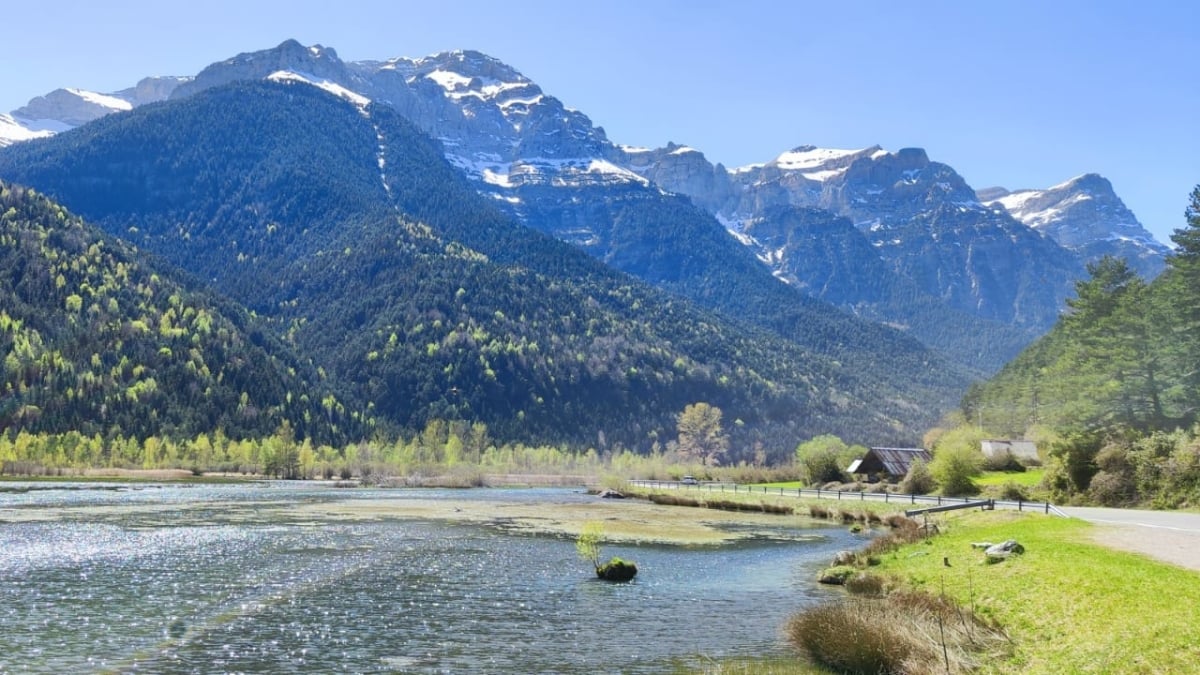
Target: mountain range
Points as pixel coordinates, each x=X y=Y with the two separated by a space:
x=893 y=238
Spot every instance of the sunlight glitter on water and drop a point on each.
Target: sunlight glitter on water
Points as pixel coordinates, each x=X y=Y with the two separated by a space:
x=122 y=582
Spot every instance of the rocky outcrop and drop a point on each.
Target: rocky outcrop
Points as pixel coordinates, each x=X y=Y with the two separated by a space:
x=316 y=61
x=72 y=107
x=617 y=570
x=1085 y=215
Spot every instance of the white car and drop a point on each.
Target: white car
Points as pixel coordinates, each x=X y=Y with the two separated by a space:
x=690 y=480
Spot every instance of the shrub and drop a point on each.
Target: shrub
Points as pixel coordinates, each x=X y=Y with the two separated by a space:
x=954 y=467
x=821 y=459
x=817 y=511
x=918 y=480
x=1110 y=489
x=1013 y=492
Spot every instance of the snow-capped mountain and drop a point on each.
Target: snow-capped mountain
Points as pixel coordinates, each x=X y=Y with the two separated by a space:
x=64 y=109
x=919 y=216
x=553 y=168
x=1084 y=214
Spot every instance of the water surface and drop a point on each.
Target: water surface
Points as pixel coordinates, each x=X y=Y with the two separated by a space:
x=181 y=579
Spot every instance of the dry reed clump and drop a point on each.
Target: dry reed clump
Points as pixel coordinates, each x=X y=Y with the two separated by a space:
x=865 y=583
x=850 y=516
x=779 y=509
x=729 y=505
x=817 y=511
x=903 y=531
x=904 y=632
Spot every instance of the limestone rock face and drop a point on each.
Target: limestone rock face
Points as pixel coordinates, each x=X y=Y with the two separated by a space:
x=72 y=107
x=151 y=90
x=1085 y=215
x=317 y=62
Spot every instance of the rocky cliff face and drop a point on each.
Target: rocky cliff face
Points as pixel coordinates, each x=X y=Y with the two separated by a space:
x=1085 y=215
x=919 y=216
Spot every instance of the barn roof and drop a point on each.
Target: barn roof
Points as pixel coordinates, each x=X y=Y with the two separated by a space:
x=892 y=461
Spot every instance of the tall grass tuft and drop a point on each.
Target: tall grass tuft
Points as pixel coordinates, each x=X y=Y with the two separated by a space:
x=673 y=500
x=903 y=531
x=904 y=632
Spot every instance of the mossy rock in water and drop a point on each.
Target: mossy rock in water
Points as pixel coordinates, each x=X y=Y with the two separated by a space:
x=617 y=570
x=837 y=575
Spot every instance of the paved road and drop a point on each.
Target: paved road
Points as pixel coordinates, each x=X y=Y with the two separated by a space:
x=1170 y=536
x=1164 y=520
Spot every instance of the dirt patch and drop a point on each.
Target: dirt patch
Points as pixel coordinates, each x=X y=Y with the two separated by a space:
x=1173 y=546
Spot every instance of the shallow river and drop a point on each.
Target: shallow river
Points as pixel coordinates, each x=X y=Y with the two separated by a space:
x=182 y=579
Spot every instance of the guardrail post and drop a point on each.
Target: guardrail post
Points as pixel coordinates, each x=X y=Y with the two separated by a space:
x=839 y=495
x=1047 y=508
x=818 y=493
x=939 y=500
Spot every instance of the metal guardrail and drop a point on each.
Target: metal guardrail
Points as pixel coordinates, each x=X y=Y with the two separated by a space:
x=983 y=504
x=839 y=495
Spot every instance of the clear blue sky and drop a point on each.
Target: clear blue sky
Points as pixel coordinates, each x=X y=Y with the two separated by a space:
x=1019 y=94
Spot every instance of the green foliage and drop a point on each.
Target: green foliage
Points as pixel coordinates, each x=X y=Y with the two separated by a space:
x=587 y=544
x=919 y=480
x=700 y=434
x=98 y=340
x=823 y=459
x=957 y=459
x=1126 y=359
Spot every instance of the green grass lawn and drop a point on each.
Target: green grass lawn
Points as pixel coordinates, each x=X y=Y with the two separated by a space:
x=788 y=485
x=1069 y=605
x=1028 y=478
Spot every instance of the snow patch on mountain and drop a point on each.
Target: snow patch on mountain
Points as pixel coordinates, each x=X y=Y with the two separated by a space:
x=102 y=99
x=321 y=83
x=13 y=130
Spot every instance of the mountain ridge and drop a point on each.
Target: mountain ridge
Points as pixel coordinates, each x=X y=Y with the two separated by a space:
x=348 y=231
x=537 y=159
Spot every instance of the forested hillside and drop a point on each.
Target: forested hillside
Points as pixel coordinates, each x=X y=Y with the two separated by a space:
x=1117 y=381
x=346 y=229
x=99 y=340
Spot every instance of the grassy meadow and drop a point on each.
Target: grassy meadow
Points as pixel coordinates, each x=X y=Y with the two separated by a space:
x=1069 y=605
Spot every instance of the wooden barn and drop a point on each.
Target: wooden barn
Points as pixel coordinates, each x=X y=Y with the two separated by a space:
x=888 y=463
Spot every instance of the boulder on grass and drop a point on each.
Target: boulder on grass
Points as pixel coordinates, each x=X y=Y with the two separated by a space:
x=997 y=552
